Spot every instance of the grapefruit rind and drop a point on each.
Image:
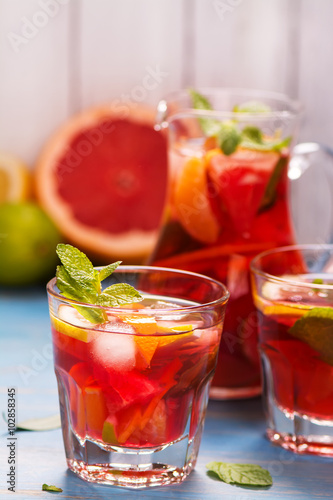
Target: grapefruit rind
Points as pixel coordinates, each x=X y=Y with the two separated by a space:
x=134 y=245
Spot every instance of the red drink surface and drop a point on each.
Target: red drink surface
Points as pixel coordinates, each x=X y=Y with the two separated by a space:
x=302 y=379
x=241 y=203
x=129 y=389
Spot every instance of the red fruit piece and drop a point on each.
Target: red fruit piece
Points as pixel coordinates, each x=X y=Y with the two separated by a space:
x=239 y=182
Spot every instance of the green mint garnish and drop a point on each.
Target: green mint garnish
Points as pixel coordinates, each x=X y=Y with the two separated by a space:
x=209 y=126
x=228 y=137
x=252 y=107
x=228 y=134
x=318 y=281
x=270 y=192
x=315 y=328
x=51 y=488
x=241 y=474
x=78 y=280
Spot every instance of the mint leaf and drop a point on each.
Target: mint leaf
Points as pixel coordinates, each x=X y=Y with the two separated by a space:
x=315 y=328
x=77 y=279
x=228 y=137
x=51 y=488
x=106 y=271
x=209 y=126
x=252 y=134
x=118 y=294
x=265 y=145
x=241 y=474
x=252 y=107
x=270 y=192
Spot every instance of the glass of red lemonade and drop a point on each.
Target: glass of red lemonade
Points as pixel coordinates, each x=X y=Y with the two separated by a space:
x=227 y=201
x=293 y=294
x=133 y=390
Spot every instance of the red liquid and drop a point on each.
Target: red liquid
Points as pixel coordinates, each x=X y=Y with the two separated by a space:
x=252 y=216
x=146 y=398
x=302 y=381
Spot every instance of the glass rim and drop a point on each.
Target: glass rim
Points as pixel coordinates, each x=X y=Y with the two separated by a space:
x=293 y=106
x=225 y=294
x=289 y=248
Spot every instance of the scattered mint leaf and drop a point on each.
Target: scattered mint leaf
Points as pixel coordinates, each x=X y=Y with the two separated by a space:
x=51 y=488
x=40 y=424
x=118 y=294
x=318 y=281
x=241 y=474
x=315 y=328
x=252 y=107
x=228 y=137
x=78 y=280
x=270 y=191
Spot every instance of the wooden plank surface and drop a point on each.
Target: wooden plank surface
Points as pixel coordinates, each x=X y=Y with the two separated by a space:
x=234 y=431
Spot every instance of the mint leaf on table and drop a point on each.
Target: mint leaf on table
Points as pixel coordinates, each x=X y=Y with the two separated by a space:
x=315 y=328
x=78 y=280
x=241 y=474
x=51 y=488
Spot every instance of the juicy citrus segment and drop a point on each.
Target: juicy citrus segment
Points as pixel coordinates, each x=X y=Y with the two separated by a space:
x=95 y=407
x=192 y=204
x=15 y=179
x=168 y=339
x=279 y=309
x=132 y=170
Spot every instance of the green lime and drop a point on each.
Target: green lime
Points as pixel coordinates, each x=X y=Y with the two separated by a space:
x=28 y=242
x=315 y=328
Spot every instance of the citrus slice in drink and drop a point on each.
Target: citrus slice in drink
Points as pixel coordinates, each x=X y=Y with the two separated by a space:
x=15 y=179
x=102 y=179
x=192 y=205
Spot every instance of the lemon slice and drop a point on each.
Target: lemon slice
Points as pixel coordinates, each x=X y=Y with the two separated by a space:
x=70 y=322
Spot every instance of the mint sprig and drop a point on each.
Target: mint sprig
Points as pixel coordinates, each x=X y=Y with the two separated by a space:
x=241 y=474
x=77 y=279
x=228 y=134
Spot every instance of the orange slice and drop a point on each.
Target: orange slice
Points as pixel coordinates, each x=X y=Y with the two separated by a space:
x=192 y=204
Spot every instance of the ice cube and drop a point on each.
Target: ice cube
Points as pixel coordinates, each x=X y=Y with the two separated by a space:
x=114 y=351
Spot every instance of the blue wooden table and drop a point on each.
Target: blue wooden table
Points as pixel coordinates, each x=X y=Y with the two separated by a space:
x=234 y=430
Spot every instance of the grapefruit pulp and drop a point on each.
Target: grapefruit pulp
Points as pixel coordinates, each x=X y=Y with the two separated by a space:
x=102 y=179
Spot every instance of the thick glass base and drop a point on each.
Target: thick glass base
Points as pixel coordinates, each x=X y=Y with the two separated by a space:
x=300 y=433
x=224 y=393
x=153 y=474
x=129 y=467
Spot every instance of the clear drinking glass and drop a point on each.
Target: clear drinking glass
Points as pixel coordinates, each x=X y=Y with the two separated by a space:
x=133 y=391
x=225 y=207
x=293 y=294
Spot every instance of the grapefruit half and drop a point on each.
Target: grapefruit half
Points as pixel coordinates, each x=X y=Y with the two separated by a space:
x=102 y=179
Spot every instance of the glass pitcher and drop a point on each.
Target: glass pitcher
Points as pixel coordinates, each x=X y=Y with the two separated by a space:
x=227 y=201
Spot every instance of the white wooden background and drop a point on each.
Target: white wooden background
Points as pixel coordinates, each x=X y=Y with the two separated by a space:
x=59 y=56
